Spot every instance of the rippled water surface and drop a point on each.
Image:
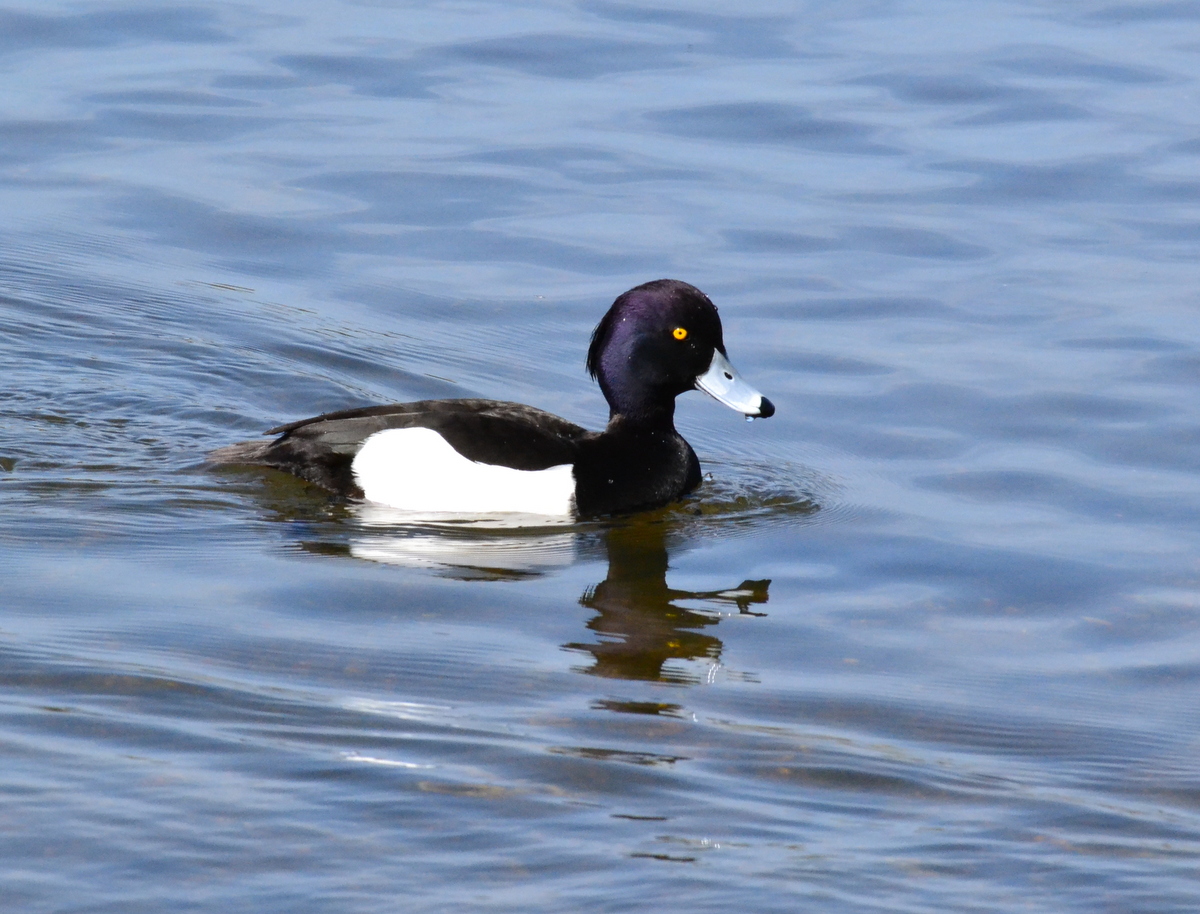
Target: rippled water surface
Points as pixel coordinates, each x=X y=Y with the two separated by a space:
x=927 y=640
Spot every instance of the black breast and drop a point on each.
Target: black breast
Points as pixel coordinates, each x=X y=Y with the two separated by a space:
x=628 y=468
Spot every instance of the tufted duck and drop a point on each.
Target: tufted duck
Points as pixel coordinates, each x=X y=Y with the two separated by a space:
x=657 y=341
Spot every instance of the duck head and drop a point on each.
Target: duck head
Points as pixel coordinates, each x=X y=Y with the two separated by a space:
x=659 y=340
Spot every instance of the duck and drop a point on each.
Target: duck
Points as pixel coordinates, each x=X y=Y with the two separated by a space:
x=474 y=456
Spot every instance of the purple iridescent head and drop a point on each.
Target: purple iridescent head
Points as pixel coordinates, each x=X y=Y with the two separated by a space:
x=659 y=340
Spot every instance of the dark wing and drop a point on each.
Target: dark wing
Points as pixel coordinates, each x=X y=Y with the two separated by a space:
x=321 y=449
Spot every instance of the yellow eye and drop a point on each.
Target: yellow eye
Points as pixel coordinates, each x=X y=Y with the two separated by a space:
x=679 y=333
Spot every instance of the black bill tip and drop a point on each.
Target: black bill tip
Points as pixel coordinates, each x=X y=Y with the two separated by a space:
x=766 y=408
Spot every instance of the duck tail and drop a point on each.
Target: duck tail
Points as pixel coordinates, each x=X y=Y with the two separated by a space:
x=246 y=453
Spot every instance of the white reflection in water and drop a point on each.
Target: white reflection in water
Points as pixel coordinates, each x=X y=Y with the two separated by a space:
x=371 y=514
x=515 y=554
x=388 y=763
x=424 y=540
x=401 y=710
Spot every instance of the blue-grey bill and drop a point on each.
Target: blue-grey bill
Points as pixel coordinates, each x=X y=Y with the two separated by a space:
x=725 y=385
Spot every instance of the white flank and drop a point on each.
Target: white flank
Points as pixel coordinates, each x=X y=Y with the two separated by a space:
x=415 y=469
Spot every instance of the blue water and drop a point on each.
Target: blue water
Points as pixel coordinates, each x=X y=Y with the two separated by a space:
x=927 y=640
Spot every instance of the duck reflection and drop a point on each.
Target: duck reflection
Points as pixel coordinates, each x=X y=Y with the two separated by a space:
x=639 y=620
x=640 y=624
